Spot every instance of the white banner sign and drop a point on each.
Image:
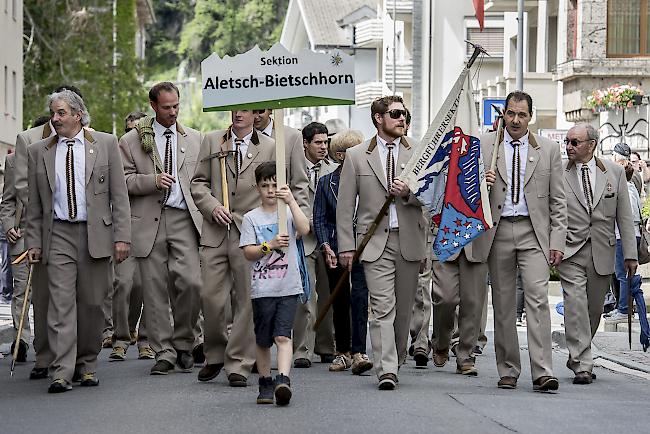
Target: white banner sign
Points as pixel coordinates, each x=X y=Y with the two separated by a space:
x=277 y=79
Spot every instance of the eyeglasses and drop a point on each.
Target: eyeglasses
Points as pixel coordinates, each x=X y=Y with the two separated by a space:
x=575 y=142
x=396 y=113
x=259 y=112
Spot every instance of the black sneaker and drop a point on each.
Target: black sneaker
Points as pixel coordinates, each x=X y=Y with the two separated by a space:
x=21 y=357
x=421 y=358
x=38 y=374
x=198 y=354
x=282 y=389
x=89 y=379
x=210 y=371
x=302 y=363
x=266 y=390
x=162 y=367
x=59 y=386
x=184 y=361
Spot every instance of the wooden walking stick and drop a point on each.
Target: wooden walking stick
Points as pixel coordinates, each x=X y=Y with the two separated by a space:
x=224 y=184
x=497 y=141
x=22 y=319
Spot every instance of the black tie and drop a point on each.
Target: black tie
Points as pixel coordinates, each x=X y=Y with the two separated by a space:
x=390 y=165
x=316 y=170
x=516 y=171
x=168 y=161
x=586 y=188
x=70 y=181
x=238 y=155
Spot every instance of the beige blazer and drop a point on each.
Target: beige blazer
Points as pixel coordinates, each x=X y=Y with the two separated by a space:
x=146 y=199
x=10 y=206
x=23 y=140
x=242 y=191
x=296 y=168
x=309 y=240
x=611 y=205
x=107 y=199
x=543 y=189
x=364 y=176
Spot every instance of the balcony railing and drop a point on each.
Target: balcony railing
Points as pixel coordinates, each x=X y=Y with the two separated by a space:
x=369 y=33
x=402 y=7
x=366 y=93
x=403 y=74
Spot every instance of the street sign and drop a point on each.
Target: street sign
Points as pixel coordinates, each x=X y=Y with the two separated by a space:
x=489 y=114
x=277 y=79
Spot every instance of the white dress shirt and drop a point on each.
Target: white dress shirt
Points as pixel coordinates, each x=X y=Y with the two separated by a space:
x=175 y=199
x=510 y=209
x=269 y=129
x=383 y=155
x=243 y=146
x=591 y=165
x=60 y=197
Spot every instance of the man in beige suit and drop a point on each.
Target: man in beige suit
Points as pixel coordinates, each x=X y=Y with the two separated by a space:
x=423 y=307
x=529 y=230
x=12 y=218
x=159 y=160
x=392 y=257
x=597 y=198
x=316 y=151
x=77 y=218
x=40 y=293
x=223 y=264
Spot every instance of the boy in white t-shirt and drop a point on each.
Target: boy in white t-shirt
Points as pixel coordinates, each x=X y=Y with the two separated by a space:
x=275 y=280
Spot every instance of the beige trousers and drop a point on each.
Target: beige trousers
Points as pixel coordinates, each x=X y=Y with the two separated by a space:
x=392 y=282
x=458 y=284
x=515 y=245
x=78 y=285
x=225 y=268
x=171 y=277
x=423 y=307
x=584 y=294
x=127 y=305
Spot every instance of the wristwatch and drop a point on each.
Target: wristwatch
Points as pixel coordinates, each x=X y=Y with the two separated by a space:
x=266 y=249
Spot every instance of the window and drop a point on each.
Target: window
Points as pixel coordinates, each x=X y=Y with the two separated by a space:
x=14 y=105
x=491 y=38
x=627 y=28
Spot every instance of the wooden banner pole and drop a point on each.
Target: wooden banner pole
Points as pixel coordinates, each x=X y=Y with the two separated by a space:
x=280 y=166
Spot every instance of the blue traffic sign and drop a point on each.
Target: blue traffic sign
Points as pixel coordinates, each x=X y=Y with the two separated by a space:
x=489 y=113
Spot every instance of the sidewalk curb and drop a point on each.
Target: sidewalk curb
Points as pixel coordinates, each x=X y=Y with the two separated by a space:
x=6 y=334
x=559 y=338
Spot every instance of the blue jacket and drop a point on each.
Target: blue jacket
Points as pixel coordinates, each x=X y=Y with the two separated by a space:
x=325 y=209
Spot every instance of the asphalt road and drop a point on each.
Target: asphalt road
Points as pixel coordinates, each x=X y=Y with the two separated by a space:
x=128 y=400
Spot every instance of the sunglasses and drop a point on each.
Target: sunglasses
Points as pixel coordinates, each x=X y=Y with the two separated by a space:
x=575 y=142
x=396 y=113
x=259 y=112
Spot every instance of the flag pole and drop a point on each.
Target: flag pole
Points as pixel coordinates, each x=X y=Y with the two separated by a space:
x=373 y=227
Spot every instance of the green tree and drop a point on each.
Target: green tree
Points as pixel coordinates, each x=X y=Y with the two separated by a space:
x=71 y=42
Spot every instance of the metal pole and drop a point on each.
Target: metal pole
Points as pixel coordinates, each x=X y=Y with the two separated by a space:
x=519 y=83
x=394 y=46
x=113 y=84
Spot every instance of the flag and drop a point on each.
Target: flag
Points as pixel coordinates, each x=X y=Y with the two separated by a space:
x=447 y=175
x=479 y=9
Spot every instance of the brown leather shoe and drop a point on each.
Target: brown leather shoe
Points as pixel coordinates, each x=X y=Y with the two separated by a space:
x=507 y=383
x=546 y=384
x=440 y=357
x=210 y=371
x=583 y=377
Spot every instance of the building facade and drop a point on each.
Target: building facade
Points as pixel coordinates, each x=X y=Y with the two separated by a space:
x=11 y=74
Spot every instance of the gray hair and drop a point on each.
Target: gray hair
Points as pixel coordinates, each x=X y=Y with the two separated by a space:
x=74 y=101
x=592 y=132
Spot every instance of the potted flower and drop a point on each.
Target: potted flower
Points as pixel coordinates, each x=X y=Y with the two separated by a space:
x=615 y=97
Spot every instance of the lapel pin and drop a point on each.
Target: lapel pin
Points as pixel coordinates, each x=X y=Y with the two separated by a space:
x=402 y=165
x=531 y=159
x=249 y=155
x=101 y=179
x=609 y=187
x=90 y=152
x=182 y=149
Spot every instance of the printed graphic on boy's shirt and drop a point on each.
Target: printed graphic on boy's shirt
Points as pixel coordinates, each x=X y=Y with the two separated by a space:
x=275 y=265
